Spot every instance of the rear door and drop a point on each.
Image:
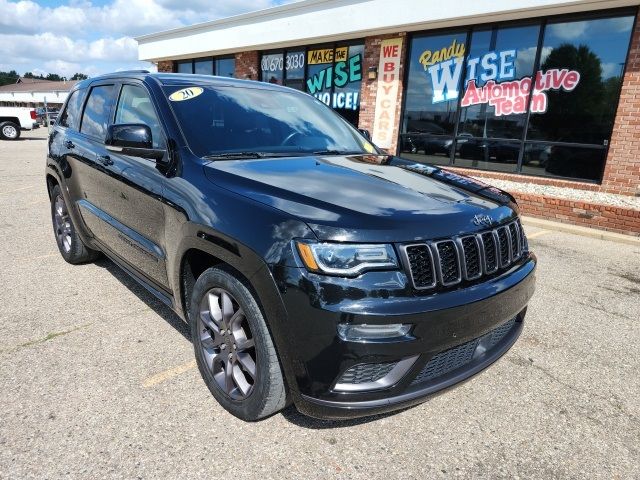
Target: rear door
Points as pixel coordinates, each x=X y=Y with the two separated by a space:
x=88 y=159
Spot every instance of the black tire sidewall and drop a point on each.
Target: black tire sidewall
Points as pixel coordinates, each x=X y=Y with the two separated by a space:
x=251 y=408
x=78 y=253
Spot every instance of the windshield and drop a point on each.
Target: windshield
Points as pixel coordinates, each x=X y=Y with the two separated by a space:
x=226 y=120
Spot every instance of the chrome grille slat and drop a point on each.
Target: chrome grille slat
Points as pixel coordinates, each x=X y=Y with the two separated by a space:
x=467 y=257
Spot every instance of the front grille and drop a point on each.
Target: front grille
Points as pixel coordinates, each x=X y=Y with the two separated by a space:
x=449 y=262
x=424 y=274
x=472 y=261
x=503 y=241
x=456 y=357
x=366 y=372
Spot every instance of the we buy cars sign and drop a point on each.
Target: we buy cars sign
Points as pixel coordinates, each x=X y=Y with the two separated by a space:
x=387 y=94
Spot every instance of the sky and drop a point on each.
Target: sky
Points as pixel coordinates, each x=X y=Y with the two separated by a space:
x=94 y=37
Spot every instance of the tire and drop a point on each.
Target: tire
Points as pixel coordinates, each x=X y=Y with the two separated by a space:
x=71 y=247
x=9 y=131
x=231 y=339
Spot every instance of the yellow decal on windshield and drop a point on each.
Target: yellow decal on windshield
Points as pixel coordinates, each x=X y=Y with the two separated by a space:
x=185 y=94
x=369 y=148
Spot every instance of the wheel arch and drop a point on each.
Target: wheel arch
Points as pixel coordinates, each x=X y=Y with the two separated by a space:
x=10 y=119
x=52 y=181
x=199 y=254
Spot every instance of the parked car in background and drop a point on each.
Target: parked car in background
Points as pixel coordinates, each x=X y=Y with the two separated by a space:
x=43 y=113
x=15 y=119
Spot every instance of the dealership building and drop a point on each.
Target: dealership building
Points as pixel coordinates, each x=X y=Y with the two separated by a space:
x=541 y=97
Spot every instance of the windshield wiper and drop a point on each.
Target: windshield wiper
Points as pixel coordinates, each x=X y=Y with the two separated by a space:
x=238 y=155
x=337 y=152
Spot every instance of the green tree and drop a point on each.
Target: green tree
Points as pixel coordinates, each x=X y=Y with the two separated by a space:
x=7 y=78
x=79 y=76
x=54 y=77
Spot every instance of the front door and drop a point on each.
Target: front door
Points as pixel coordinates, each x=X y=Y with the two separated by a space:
x=138 y=189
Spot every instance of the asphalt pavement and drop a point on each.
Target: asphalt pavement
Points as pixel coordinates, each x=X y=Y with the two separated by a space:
x=97 y=378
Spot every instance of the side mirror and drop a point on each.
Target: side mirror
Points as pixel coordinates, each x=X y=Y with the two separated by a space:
x=133 y=139
x=365 y=133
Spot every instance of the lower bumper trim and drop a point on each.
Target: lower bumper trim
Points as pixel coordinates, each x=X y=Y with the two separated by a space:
x=334 y=409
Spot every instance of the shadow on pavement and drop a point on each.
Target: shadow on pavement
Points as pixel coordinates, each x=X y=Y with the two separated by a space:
x=152 y=302
x=294 y=416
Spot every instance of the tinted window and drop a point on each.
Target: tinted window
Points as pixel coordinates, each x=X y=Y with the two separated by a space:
x=597 y=51
x=203 y=67
x=272 y=68
x=226 y=67
x=432 y=95
x=232 y=119
x=185 y=66
x=538 y=98
x=96 y=113
x=334 y=76
x=499 y=56
x=71 y=115
x=135 y=106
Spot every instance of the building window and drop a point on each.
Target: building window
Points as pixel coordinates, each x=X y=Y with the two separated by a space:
x=331 y=73
x=185 y=66
x=536 y=98
x=221 y=66
x=225 y=67
x=203 y=66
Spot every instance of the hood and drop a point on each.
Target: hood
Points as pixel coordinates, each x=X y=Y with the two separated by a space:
x=366 y=198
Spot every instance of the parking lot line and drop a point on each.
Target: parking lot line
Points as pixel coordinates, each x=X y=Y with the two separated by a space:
x=538 y=234
x=168 y=374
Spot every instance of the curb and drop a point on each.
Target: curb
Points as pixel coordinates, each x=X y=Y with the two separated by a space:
x=582 y=231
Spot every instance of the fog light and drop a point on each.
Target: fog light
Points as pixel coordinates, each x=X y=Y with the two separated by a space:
x=361 y=332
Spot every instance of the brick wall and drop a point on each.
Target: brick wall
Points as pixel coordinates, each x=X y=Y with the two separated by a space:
x=165 y=66
x=369 y=88
x=622 y=172
x=247 y=65
x=602 y=217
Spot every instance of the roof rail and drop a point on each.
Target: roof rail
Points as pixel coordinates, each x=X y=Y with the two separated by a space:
x=130 y=71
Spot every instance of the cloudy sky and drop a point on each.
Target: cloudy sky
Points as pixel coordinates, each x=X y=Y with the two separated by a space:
x=93 y=37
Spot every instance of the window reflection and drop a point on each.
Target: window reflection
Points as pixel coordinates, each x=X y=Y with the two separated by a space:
x=488 y=86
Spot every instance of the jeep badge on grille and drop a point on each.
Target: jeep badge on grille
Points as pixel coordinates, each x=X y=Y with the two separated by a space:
x=482 y=220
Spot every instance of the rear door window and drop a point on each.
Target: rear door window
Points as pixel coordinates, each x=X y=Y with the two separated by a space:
x=97 y=112
x=70 y=118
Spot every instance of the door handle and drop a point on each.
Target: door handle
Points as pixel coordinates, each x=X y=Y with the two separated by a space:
x=105 y=160
x=69 y=144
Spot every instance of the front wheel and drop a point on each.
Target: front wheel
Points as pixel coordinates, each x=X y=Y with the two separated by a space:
x=233 y=348
x=9 y=131
x=71 y=247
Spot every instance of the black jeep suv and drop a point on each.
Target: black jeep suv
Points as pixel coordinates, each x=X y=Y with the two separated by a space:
x=311 y=267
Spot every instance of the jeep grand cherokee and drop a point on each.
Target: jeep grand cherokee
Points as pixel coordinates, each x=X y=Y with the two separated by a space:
x=312 y=267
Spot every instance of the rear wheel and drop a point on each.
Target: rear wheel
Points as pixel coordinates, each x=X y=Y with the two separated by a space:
x=9 y=131
x=233 y=348
x=69 y=243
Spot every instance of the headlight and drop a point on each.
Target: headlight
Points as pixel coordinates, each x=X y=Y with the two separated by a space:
x=346 y=260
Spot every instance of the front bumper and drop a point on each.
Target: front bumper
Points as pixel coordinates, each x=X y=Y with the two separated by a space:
x=446 y=325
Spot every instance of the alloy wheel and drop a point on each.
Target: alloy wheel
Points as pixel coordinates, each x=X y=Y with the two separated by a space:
x=227 y=343
x=9 y=131
x=62 y=224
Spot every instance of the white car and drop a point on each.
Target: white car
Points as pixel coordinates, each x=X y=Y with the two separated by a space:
x=15 y=119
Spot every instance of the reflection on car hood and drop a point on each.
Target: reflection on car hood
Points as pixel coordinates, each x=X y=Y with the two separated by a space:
x=365 y=197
